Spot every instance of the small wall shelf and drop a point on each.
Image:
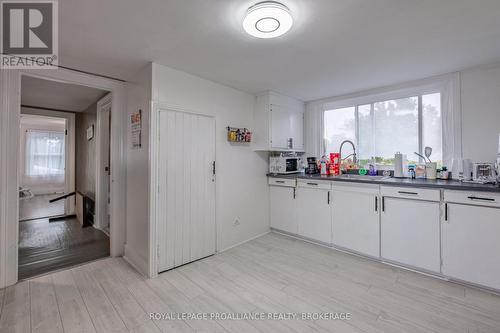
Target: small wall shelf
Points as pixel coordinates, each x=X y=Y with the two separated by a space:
x=236 y=134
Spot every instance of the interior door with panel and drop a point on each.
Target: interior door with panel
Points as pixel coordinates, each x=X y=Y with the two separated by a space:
x=355 y=212
x=410 y=232
x=282 y=208
x=313 y=211
x=470 y=244
x=186 y=178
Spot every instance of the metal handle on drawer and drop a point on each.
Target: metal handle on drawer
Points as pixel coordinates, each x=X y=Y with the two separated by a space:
x=280 y=181
x=409 y=193
x=313 y=184
x=479 y=198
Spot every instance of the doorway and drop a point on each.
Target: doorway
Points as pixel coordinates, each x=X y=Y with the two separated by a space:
x=44 y=154
x=58 y=176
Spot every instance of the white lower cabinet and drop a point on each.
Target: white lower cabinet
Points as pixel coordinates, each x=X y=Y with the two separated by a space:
x=355 y=210
x=410 y=232
x=313 y=211
x=283 y=210
x=471 y=244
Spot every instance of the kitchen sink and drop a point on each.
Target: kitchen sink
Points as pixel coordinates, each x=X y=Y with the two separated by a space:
x=361 y=177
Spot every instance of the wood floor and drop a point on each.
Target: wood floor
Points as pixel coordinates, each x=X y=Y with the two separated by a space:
x=47 y=246
x=39 y=207
x=270 y=274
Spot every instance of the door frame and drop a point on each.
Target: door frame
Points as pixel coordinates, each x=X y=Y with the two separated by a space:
x=156 y=108
x=101 y=193
x=70 y=151
x=10 y=104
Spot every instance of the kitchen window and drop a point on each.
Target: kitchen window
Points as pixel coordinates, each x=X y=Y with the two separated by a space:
x=382 y=128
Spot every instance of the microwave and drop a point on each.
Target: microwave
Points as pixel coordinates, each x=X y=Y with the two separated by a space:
x=284 y=164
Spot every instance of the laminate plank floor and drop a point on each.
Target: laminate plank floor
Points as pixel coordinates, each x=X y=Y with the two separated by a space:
x=47 y=246
x=271 y=274
x=39 y=207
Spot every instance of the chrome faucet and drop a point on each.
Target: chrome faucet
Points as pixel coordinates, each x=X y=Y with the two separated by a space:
x=355 y=160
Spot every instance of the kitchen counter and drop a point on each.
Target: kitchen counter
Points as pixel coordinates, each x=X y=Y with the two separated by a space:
x=407 y=182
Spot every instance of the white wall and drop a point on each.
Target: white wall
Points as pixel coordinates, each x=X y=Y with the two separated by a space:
x=137 y=210
x=241 y=172
x=241 y=188
x=481 y=112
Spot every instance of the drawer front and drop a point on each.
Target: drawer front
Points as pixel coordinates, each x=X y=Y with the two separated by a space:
x=411 y=193
x=314 y=184
x=473 y=198
x=356 y=188
x=282 y=182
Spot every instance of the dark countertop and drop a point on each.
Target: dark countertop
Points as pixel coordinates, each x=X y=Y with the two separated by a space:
x=406 y=182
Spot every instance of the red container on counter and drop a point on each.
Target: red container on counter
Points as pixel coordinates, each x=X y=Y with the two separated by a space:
x=335 y=164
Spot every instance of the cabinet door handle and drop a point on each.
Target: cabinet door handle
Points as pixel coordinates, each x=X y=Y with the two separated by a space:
x=376 y=203
x=328 y=196
x=409 y=193
x=383 y=204
x=294 y=192
x=280 y=181
x=481 y=199
x=446 y=211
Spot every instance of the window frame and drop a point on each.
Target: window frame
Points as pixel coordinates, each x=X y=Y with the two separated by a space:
x=372 y=112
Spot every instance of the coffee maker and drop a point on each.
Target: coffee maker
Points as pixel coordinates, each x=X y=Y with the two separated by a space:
x=312 y=166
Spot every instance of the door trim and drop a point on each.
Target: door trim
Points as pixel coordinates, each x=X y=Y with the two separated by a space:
x=10 y=103
x=101 y=194
x=156 y=108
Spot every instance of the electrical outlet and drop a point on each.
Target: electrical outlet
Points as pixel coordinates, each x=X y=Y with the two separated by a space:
x=236 y=221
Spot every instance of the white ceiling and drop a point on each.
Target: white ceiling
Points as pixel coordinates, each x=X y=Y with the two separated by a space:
x=57 y=95
x=334 y=47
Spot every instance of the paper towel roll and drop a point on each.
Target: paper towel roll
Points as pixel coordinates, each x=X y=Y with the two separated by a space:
x=400 y=164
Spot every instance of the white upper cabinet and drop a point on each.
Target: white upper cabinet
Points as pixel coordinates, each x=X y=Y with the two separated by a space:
x=279 y=123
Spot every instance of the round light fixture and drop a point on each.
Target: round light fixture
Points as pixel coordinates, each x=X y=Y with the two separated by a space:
x=267 y=19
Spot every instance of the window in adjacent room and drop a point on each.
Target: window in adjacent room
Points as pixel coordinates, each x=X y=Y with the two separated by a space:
x=382 y=128
x=44 y=153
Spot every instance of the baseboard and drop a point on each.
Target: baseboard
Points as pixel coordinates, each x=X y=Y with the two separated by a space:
x=138 y=263
x=245 y=241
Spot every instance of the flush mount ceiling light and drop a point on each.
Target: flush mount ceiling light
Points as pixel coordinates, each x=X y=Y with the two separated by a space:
x=267 y=19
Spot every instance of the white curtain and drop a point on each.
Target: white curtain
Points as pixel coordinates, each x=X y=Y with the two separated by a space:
x=45 y=157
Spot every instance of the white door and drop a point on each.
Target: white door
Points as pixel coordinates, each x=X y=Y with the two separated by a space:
x=314 y=214
x=282 y=208
x=356 y=225
x=470 y=244
x=103 y=163
x=186 y=179
x=410 y=233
